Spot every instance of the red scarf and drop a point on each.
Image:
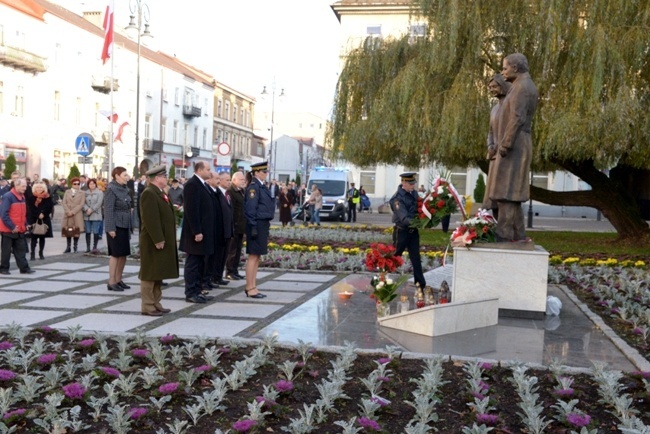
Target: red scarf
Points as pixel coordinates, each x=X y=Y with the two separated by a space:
x=40 y=196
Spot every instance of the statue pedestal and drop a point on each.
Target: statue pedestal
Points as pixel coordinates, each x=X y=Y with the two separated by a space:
x=517 y=277
x=443 y=319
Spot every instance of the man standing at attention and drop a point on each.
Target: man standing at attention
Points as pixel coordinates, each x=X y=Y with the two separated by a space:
x=353 y=201
x=13 y=225
x=198 y=232
x=404 y=205
x=221 y=250
x=158 y=254
x=511 y=184
x=236 y=192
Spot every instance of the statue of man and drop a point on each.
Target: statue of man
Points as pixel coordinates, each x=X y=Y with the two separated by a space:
x=498 y=88
x=511 y=184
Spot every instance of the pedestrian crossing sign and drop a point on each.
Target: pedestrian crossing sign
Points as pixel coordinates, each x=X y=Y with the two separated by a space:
x=84 y=144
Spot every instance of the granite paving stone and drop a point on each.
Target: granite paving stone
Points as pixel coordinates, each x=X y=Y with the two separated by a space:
x=128 y=269
x=7 y=297
x=28 y=317
x=45 y=286
x=191 y=327
x=271 y=297
x=301 y=277
x=283 y=285
x=5 y=281
x=70 y=301
x=63 y=266
x=103 y=290
x=38 y=274
x=106 y=322
x=82 y=276
x=243 y=310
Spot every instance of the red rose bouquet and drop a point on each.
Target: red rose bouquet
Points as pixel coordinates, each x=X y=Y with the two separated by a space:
x=381 y=257
x=441 y=202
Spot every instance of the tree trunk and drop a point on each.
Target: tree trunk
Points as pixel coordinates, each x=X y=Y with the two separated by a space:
x=606 y=195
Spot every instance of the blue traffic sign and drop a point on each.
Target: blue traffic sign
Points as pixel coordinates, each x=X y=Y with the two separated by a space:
x=84 y=144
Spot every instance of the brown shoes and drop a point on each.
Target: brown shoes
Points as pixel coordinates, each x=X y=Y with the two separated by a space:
x=163 y=310
x=154 y=313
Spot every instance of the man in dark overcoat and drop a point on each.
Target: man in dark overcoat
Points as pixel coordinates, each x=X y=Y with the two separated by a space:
x=197 y=234
x=226 y=230
x=158 y=254
x=511 y=184
x=211 y=261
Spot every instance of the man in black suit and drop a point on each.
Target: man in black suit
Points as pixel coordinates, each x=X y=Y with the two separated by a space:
x=198 y=232
x=236 y=192
x=221 y=249
x=211 y=261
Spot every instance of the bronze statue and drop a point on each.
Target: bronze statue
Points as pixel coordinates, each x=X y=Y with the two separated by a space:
x=498 y=88
x=511 y=184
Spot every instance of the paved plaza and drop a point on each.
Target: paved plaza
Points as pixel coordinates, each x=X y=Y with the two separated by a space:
x=70 y=290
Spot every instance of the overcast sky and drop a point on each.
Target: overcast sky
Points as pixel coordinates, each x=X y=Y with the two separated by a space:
x=246 y=44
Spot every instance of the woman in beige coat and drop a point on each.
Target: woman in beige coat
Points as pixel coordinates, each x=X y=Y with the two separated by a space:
x=73 y=203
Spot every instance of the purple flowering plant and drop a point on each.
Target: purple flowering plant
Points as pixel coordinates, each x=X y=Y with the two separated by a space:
x=86 y=343
x=369 y=424
x=140 y=352
x=7 y=375
x=47 y=359
x=168 y=388
x=74 y=391
x=243 y=425
x=108 y=372
x=5 y=345
x=137 y=412
x=284 y=386
x=578 y=420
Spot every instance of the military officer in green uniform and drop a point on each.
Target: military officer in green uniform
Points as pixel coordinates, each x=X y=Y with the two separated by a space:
x=404 y=205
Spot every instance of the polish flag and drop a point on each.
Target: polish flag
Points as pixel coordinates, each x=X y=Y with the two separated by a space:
x=109 y=115
x=107 y=50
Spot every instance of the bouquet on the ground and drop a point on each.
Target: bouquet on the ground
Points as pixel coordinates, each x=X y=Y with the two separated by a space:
x=385 y=288
x=382 y=258
x=479 y=229
x=443 y=200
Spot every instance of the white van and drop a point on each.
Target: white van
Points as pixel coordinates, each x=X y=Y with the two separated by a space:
x=334 y=183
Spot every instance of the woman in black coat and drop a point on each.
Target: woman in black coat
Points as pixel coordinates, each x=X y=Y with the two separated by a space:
x=39 y=209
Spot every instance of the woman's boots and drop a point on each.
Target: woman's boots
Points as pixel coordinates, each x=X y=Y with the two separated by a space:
x=95 y=242
x=68 y=240
x=87 y=242
x=76 y=244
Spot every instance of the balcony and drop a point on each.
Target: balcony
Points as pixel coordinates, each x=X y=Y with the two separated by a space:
x=191 y=112
x=152 y=145
x=21 y=59
x=104 y=86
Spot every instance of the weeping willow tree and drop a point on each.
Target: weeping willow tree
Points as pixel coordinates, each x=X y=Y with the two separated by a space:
x=418 y=102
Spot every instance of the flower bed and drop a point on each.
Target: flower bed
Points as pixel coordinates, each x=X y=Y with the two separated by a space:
x=139 y=384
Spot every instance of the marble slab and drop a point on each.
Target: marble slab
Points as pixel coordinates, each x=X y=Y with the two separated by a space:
x=518 y=278
x=443 y=319
x=70 y=301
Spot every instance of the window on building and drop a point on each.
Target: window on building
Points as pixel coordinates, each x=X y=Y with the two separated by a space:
x=374 y=31
x=147 y=126
x=241 y=117
x=2 y=98
x=57 y=105
x=204 y=142
x=77 y=112
x=19 y=103
x=205 y=107
x=186 y=132
x=164 y=95
x=417 y=31
x=227 y=112
x=367 y=179
x=163 y=129
x=177 y=96
x=175 y=133
x=459 y=180
x=218 y=108
x=540 y=179
x=96 y=115
x=234 y=114
x=225 y=136
x=196 y=136
x=218 y=138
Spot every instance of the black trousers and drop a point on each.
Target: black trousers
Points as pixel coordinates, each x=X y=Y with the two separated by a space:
x=409 y=240
x=194 y=266
x=234 y=253
x=18 y=244
x=220 y=255
x=352 y=212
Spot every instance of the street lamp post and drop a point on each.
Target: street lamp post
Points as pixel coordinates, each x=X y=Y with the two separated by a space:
x=140 y=11
x=273 y=147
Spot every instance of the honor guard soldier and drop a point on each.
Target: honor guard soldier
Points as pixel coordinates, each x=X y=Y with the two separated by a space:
x=259 y=209
x=404 y=205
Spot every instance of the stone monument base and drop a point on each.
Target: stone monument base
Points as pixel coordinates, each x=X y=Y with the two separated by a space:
x=443 y=319
x=518 y=278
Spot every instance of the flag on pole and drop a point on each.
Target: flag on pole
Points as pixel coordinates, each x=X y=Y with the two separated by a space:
x=107 y=50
